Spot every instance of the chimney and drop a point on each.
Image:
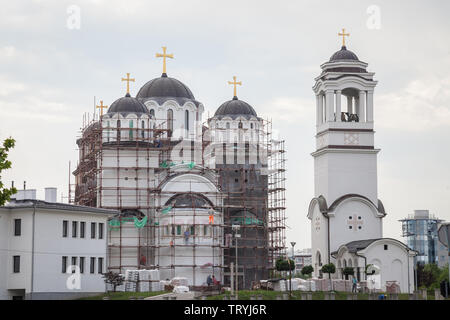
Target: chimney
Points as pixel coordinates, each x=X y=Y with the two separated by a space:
x=25 y=194
x=50 y=194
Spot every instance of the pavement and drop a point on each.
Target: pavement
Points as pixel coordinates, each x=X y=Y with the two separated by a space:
x=173 y=296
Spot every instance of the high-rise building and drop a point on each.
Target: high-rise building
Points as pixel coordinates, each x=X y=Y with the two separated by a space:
x=420 y=230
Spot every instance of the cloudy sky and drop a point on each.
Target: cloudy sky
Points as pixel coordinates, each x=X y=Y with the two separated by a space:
x=50 y=73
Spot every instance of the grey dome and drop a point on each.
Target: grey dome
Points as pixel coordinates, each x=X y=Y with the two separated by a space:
x=234 y=108
x=343 y=54
x=127 y=104
x=165 y=87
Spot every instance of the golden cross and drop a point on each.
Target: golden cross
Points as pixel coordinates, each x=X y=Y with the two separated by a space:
x=127 y=79
x=101 y=106
x=235 y=83
x=164 y=56
x=343 y=35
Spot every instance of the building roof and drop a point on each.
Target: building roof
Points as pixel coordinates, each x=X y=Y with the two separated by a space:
x=127 y=104
x=31 y=203
x=343 y=54
x=234 y=108
x=165 y=87
x=358 y=245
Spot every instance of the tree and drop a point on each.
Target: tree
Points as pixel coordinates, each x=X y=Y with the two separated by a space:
x=329 y=268
x=285 y=265
x=307 y=270
x=348 y=271
x=5 y=193
x=113 y=278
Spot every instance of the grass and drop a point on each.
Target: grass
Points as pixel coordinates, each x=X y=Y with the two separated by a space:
x=296 y=295
x=123 y=295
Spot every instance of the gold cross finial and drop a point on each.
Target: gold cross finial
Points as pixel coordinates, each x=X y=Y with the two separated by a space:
x=164 y=55
x=128 y=79
x=235 y=83
x=101 y=106
x=343 y=35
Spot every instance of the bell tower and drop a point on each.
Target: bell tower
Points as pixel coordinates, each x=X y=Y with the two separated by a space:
x=345 y=206
x=345 y=157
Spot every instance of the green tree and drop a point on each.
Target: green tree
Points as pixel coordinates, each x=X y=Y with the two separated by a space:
x=113 y=278
x=307 y=270
x=5 y=193
x=348 y=271
x=285 y=265
x=329 y=268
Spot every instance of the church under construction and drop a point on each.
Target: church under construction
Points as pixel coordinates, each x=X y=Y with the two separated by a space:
x=195 y=198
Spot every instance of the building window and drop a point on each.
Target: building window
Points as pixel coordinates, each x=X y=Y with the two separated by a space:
x=93 y=226
x=152 y=112
x=178 y=230
x=81 y=264
x=65 y=228
x=186 y=122
x=92 y=266
x=251 y=125
x=16 y=264
x=64 y=264
x=118 y=130
x=350 y=227
x=131 y=129
x=170 y=122
x=228 y=125
x=350 y=217
x=385 y=247
x=143 y=129
x=17 y=227
x=74 y=229
x=82 y=229
x=100 y=230
x=205 y=230
x=74 y=263
x=100 y=265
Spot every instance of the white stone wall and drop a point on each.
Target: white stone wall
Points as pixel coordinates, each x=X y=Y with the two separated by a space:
x=395 y=263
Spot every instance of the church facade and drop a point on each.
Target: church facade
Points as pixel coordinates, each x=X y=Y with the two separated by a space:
x=346 y=214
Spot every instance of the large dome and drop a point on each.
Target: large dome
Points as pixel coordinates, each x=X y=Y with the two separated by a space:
x=343 y=54
x=234 y=108
x=165 y=87
x=127 y=104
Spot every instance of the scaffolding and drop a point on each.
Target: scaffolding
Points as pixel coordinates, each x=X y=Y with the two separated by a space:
x=187 y=229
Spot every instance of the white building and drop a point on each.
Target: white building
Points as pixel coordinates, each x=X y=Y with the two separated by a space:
x=41 y=240
x=346 y=208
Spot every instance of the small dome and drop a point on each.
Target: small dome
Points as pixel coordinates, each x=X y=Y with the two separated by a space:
x=234 y=108
x=343 y=54
x=165 y=87
x=127 y=104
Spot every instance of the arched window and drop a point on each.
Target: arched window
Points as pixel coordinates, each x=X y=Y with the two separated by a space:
x=186 y=122
x=131 y=129
x=240 y=125
x=228 y=125
x=143 y=127
x=251 y=125
x=118 y=130
x=107 y=130
x=170 y=121
x=152 y=112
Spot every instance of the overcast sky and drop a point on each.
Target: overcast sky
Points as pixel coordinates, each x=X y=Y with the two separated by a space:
x=49 y=75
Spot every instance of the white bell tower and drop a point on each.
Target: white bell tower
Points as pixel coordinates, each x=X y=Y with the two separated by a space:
x=346 y=206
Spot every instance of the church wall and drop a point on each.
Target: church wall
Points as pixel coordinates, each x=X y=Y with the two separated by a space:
x=346 y=172
x=394 y=263
x=319 y=232
x=364 y=224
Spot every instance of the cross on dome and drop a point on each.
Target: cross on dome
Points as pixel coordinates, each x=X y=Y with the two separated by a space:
x=101 y=107
x=235 y=83
x=128 y=79
x=343 y=35
x=164 y=55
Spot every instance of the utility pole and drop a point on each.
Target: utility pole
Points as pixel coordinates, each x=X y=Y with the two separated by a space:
x=290 y=270
x=235 y=228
